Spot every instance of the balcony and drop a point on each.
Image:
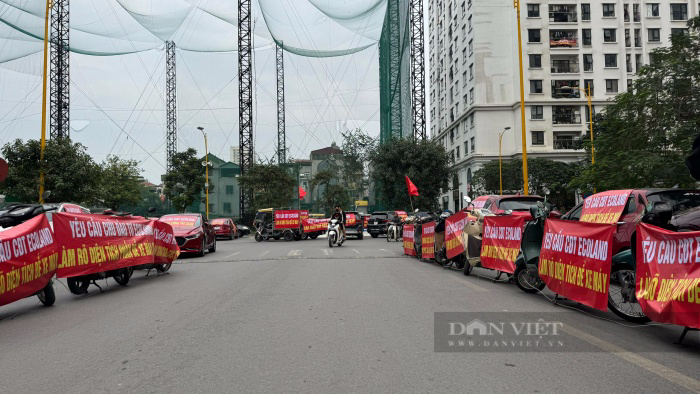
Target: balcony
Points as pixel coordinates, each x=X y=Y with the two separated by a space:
x=566 y=115
x=563 y=38
x=566 y=89
x=565 y=66
x=560 y=13
x=565 y=142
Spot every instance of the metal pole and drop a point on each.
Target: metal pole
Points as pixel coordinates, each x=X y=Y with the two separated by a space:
x=170 y=104
x=206 y=165
x=526 y=188
x=500 y=164
x=43 y=102
x=590 y=115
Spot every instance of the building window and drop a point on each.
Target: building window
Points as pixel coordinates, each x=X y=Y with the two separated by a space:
x=608 y=10
x=638 y=62
x=637 y=38
x=537 y=137
x=637 y=15
x=471 y=95
x=457 y=151
x=653 y=11
x=535 y=61
x=654 y=35
x=588 y=84
x=611 y=60
x=471 y=46
x=469 y=23
x=535 y=86
x=587 y=62
x=211 y=208
x=227 y=207
x=628 y=39
x=471 y=72
x=682 y=31
x=466 y=148
x=629 y=63
x=679 y=12
x=473 y=144
x=229 y=189
x=587 y=38
x=611 y=85
x=533 y=10
x=533 y=35
x=585 y=12
x=588 y=113
x=537 y=112
x=609 y=35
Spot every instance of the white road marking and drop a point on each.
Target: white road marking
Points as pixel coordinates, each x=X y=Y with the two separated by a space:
x=264 y=253
x=294 y=253
x=356 y=251
x=231 y=255
x=327 y=252
x=388 y=251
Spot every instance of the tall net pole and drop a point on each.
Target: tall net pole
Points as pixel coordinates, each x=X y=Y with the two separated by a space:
x=281 y=133
x=418 y=69
x=60 y=76
x=245 y=97
x=171 y=103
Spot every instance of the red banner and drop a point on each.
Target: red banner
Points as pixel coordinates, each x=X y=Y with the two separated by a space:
x=28 y=259
x=98 y=243
x=408 y=240
x=403 y=215
x=605 y=207
x=500 y=242
x=428 y=241
x=314 y=225
x=365 y=221
x=350 y=219
x=479 y=202
x=180 y=221
x=668 y=275
x=72 y=208
x=287 y=219
x=453 y=234
x=575 y=260
x=304 y=214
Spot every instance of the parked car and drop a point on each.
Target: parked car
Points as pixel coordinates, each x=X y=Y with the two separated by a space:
x=225 y=227
x=379 y=223
x=65 y=207
x=242 y=229
x=356 y=228
x=193 y=233
x=519 y=205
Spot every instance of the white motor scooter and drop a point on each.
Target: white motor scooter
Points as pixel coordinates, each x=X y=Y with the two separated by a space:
x=334 y=236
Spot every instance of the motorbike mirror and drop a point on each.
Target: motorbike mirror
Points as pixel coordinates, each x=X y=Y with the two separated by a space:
x=416 y=211
x=508 y=212
x=46 y=195
x=467 y=199
x=546 y=191
x=540 y=204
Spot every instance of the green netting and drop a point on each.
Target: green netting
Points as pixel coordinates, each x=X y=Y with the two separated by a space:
x=395 y=72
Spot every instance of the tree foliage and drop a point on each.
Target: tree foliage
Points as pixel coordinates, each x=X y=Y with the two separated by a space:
x=272 y=185
x=331 y=193
x=425 y=162
x=641 y=140
x=70 y=172
x=358 y=147
x=554 y=175
x=120 y=182
x=184 y=184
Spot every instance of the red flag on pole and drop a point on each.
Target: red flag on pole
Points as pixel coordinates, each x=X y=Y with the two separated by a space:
x=302 y=193
x=412 y=189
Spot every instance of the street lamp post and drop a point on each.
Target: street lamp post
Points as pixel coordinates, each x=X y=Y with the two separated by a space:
x=206 y=165
x=587 y=92
x=526 y=187
x=500 y=160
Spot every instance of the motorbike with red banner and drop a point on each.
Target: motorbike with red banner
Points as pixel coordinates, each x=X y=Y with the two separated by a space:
x=446 y=226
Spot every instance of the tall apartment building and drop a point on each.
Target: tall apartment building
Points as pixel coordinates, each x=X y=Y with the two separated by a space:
x=567 y=45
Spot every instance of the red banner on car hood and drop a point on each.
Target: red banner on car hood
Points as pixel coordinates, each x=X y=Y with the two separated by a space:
x=668 y=275
x=605 y=207
x=453 y=234
x=575 y=260
x=500 y=242
x=408 y=240
x=98 y=243
x=28 y=259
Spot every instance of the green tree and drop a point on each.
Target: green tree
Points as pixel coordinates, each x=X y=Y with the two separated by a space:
x=331 y=193
x=272 y=185
x=358 y=147
x=147 y=199
x=70 y=172
x=425 y=162
x=643 y=137
x=120 y=183
x=184 y=184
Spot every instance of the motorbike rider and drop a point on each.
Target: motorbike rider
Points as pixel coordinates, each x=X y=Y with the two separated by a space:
x=339 y=215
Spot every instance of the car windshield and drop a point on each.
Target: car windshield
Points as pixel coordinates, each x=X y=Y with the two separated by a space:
x=379 y=216
x=679 y=200
x=517 y=204
x=182 y=220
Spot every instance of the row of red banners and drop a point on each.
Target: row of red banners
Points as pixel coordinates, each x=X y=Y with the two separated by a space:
x=79 y=244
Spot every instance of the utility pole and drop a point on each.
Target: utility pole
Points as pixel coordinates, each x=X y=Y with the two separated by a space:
x=281 y=132
x=526 y=179
x=60 y=76
x=418 y=69
x=170 y=104
x=245 y=97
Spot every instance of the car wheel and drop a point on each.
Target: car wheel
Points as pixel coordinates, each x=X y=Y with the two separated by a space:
x=360 y=236
x=201 y=250
x=213 y=248
x=288 y=236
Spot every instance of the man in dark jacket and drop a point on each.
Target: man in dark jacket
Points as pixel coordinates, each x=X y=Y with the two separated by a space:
x=339 y=215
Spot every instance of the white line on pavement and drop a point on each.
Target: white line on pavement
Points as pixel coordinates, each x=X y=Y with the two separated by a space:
x=294 y=253
x=264 y=253
x=231 y=255
x=388 y=251
x=356 y=251
x=327 y=252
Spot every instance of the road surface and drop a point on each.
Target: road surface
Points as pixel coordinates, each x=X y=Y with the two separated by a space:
x=301 y=317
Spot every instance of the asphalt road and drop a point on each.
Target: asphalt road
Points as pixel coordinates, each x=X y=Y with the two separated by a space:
x=300 y=317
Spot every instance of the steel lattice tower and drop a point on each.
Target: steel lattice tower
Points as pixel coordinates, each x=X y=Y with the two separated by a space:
x=281 y=133
x=171 y=103
x=60 y=76
x=417 y=68
x=245 y=97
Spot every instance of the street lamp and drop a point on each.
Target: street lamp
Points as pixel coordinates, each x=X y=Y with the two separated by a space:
x=526 y=187
x=206 y=164
x=500 y=160
x=587 y=92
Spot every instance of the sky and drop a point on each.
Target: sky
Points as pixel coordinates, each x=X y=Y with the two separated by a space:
x=118 y=106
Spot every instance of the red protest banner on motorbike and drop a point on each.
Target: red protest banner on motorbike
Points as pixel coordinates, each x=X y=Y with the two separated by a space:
x=365 y=221
x=350 y=219
x=605 y=207
x=287 y=219
x=314 y=225
x=428 y=241
x=98 y=243
x=668 y=275
x=575 y=260
x=453 y=234
x=500 y=242
x=28 y=259
x=408 y=240
x=401 y=214
x=304 y=214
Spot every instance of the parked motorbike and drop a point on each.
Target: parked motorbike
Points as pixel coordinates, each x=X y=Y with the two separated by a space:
x=441 y=246
x=526 y=265
x=159 y=267
x=334 y=234
x=394 y=232
x=17 y=214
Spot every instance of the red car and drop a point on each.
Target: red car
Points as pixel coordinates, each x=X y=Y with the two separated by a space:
x=193 y=233
x=682 y=201
x=225 y=227
x=519 y=205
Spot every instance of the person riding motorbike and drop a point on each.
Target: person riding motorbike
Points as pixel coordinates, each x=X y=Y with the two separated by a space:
x=339 y=215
